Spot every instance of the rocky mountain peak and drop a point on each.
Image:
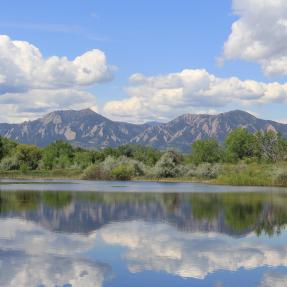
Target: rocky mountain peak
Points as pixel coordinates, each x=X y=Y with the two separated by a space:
x=89 y=129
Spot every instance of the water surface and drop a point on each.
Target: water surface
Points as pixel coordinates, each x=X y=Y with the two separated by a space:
x=115 y=234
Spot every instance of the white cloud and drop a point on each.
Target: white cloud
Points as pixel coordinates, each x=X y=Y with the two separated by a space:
x=160 y=247
x=282 y=120
x=166 y=96
x=272 y=279
x=32 y=239
x=31 y=85
x=22 y=67
x=17 y=107
x=19 y=269
x=33 y=256
x=260 y=34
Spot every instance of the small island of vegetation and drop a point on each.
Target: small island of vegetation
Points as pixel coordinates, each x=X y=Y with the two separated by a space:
x=244 y=158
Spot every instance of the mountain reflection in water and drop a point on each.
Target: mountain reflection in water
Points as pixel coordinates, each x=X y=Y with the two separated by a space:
x=135 y=239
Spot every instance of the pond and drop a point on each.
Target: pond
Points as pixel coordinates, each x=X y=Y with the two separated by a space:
x=127 y=234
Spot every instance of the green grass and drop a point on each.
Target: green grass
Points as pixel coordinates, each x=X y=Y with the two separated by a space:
x=42 y=174
x=241 y=174
x=254 y=174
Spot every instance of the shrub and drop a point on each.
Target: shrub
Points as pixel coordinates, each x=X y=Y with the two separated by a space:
x=167 y=165
x=1 y=148
x=190 y=170
x=10 y=163
x=271 y=147
x=207 y=170
x=281 y=179
x=23 y=167
x=121 y=168
x=95 y=171
x=137 y=167
x=122 y=172
x=28 y=155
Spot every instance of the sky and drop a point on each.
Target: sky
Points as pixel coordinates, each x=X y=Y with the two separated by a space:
x=143 y=60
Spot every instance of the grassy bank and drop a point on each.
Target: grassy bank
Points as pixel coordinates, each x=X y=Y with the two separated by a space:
x=243 y=159
x=240 y=174
x=42 y=174
x=253 y=174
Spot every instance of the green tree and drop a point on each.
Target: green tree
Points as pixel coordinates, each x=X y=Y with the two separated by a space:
x=240 y=144
x=147 y=155
x=206 y=151
x=167 y=165
x=8 y=147
x=83 y=159
x=270 y=146
x=28 y=155
x=58 y=155
x=1 y=148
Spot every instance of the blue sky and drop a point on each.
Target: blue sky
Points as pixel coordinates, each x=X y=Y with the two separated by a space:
x=153 y=38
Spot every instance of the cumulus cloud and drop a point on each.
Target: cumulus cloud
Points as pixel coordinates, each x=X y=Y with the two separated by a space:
x=17 y=107
x=260 y=34
x=273 y=279
x=165 y=96
x=19 y=269
x=33 y=256
x=31 y=85
x=159 y=247
x=32 y=239
x=22 y=67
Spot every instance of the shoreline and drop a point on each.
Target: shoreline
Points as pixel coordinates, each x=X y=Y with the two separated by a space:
x=30 y=175
x=76 y=175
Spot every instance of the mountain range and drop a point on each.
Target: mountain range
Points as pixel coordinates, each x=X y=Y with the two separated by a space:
x=89 y=129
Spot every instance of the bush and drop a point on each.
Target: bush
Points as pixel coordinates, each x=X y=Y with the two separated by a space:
x=28 y=155
x=137 y=167
x=168 y=165
x=95 y=171
x=10 y=163
x=147 y=155
x=122 y=172
x=23 y=167
x=207 y=170
x=119 y=168
x=1 y=148
x=281 y=179
x=190 y=170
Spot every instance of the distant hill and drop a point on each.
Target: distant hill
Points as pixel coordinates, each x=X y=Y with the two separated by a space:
x=88 y=129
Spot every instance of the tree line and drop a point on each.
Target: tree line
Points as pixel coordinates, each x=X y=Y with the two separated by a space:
x=62 y=155
x=129 y=161
x=240 y=144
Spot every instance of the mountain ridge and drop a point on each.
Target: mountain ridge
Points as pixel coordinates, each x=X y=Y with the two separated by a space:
x=89 y=129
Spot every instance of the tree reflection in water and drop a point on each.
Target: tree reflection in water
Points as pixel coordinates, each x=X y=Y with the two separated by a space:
x=231 y=213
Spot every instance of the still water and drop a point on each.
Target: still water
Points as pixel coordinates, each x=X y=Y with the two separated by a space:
x=108 y=234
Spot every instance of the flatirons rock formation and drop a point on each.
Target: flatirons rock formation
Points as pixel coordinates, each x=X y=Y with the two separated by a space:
x=90 y=130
